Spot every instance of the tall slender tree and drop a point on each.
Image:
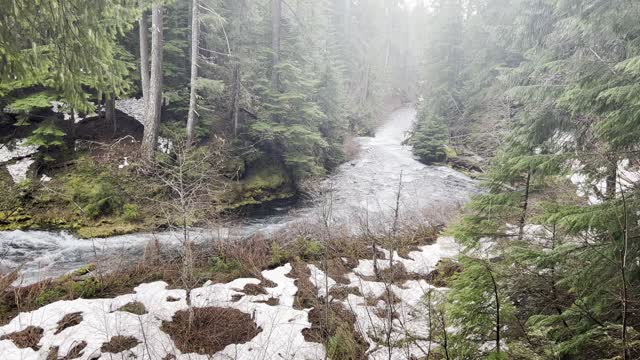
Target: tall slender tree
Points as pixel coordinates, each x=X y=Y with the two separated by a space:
x=153 y=109
x=192 y=118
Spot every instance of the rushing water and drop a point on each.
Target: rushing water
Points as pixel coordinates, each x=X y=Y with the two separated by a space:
x=367 y=186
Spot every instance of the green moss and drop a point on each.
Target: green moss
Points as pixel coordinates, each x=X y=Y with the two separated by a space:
x=131 y=212
x=50 y=295
x=85 y=288
x=106 y=230
x=84 y=270
x=450 y=152
x=267 y=181
x=15 y=220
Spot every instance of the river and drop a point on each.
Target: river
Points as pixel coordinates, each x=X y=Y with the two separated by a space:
x=367 y=186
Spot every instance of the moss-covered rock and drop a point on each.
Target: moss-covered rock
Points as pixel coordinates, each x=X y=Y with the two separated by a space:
x=266 y=181
x=103 y=230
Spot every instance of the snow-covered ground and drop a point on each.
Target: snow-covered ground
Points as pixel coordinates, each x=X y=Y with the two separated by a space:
x=627 y=177
x=281 y=336
x=412 y=309
x=17 y=159
x=282 y=325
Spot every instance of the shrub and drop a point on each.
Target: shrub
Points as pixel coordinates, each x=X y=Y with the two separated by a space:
x=279 y=255
x=50 y=295
x=343 y=344
x=311 y=249
x=131 y=212
x=47 y=137
x=97 y=196
x=219 y=264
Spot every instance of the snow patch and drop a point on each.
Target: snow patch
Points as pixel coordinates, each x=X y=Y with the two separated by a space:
x=165 y=145
x=281 y=335
x=20 y=150
x=132 y=107
x=19 y=170
x=411 y=310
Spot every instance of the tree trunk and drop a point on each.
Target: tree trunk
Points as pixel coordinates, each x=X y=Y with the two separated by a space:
x=276 y=15
x=498 y=326
x=144 y=58
x=152 y=113
x=623 y=274
x=110 y=113
x=235 y=106
x=612 y=170
x=525 y=205
x=192 y=119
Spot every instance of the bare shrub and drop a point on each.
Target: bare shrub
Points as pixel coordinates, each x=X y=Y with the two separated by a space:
x=209 y=330
x=27 y=338
x=69 y=320
x=118 y=344
x=76 y=351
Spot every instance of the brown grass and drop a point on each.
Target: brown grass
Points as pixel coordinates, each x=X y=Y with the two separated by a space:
x=27 y=338
x=212 y=329
x=307 y=295
x=118 y=344
x=325 y=322
x=74 y=353
x=68 y=321
x=444 y=270
x=383 y=313
x=341 y=292
x=271 y=301
x=135 y=307
x=387 y=298
x=253 y=289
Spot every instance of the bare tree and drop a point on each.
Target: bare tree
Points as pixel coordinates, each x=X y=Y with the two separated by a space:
x=154 y=104
x=192 y=177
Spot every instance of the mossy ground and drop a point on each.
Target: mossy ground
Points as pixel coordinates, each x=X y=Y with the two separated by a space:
x=94 y=198
x=266 y=181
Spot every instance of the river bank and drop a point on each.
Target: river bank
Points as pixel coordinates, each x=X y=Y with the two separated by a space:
x=365 y=187
x=346 y=275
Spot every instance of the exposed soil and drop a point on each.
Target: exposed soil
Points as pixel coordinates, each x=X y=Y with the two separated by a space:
x=68 y=321
x=212 y=329
x=27 y=338
x=119 y=344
